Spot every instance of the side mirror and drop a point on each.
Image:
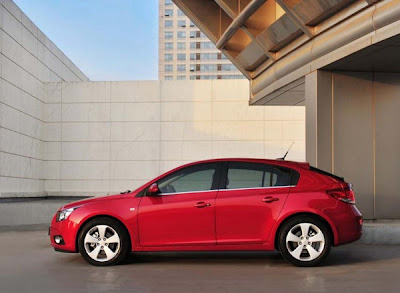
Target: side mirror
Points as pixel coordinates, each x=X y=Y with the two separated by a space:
x=153 y=190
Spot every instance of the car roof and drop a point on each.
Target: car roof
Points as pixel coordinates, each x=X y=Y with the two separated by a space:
x=279 y=162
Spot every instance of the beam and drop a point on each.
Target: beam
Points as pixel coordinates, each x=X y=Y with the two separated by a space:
x=295 y=18
x=226 y=8
x=238 y=22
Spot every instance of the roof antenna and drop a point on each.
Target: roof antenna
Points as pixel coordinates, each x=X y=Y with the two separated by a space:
x=283 y=158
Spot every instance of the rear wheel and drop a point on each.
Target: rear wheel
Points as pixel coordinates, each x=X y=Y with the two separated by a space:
x=103 y=242
x=305 y=241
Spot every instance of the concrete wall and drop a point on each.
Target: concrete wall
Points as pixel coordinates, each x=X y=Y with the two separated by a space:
x=106 y=137
x=352 y=120
x=28 y=59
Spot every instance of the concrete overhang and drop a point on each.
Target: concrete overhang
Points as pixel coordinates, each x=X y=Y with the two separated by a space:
x=275 y=43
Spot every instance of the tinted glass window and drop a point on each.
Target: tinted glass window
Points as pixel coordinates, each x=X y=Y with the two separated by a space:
x=280 y=177
x=253 y=175
x=196 y=178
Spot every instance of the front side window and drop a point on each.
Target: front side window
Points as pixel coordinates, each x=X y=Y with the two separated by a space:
x=190 y=179
x=255 y=175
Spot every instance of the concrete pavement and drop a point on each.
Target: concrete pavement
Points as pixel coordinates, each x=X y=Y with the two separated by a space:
x=29 y=264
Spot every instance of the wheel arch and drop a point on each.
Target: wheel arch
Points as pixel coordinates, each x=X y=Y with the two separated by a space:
x=300 y=214
x=101 y=216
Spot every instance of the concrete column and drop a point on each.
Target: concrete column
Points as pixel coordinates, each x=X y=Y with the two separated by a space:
x=339 y=129
x=319 y=100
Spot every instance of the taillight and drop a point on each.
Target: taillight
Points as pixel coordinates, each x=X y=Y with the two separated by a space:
x=345 y=194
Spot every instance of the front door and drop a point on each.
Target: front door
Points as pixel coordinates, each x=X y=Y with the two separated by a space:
x=184 y=212
x=248 y=207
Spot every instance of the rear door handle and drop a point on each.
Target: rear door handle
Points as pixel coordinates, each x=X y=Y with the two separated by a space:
x=270 y=199
x=202 y=204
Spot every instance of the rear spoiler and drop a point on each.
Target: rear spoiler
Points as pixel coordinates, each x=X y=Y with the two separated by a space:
x=326 y=173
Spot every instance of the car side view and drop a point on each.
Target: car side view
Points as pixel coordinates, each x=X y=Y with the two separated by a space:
x=216 y=205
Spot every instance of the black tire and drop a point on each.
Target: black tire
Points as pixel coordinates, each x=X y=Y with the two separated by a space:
x=122 y=250
x=284 y=249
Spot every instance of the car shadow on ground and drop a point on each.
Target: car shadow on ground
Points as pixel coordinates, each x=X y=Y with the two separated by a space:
x=344 y=255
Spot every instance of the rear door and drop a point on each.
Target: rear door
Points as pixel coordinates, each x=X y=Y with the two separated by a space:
x=250 y=201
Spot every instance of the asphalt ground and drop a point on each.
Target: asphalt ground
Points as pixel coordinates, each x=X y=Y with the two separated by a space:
x=29 y=264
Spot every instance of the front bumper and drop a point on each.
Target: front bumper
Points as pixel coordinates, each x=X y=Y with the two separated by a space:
x=67 y=230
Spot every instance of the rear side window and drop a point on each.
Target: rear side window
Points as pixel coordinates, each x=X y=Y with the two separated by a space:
x=253 y=175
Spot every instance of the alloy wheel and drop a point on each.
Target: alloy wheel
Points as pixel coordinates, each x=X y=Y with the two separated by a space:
x=305 y=241
x=102 y=243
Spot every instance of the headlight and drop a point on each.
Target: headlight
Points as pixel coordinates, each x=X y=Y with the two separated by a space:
x=64 y=214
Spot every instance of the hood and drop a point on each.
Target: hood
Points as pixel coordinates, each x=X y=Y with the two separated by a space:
x=90 y=200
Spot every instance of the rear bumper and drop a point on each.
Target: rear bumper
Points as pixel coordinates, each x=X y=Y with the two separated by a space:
x=348 y=225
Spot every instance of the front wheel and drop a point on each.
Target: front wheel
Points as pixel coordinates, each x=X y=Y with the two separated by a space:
x=103 y=242
x=305 y=241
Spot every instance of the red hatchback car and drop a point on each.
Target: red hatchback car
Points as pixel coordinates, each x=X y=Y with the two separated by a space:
x=215 y=205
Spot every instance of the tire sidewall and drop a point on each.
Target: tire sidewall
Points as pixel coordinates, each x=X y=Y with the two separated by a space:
x=304 y=219
x=124 y=243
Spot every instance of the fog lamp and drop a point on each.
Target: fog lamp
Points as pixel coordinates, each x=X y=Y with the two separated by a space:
x=58 y=239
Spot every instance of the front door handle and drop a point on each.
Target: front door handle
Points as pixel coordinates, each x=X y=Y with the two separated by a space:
x=270 y=199
x=202 y=204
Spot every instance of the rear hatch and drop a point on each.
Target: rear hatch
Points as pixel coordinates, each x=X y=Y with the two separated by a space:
x=343 y=191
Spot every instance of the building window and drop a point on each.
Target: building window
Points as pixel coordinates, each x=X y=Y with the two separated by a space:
x=167 y=2
x=168 y=57
x=180 y=13
x=232 y=76
x=168 y=23
x=207 y=45
x=204 y=56
x=192 y=67
x=182 y=23
x=191 y=24
x=192 y=34
x=168 y=67
x=169 y=77
x=168 y=46
x=181 y=34
x=168 y=35
x=169 y=12
x=181 y=56
x=228 y=67
x=193 y=77
x=201 y=45
x=208 y=77
x=208 y=67
x=181 y=46
x=181 y=67
x=181 y=77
